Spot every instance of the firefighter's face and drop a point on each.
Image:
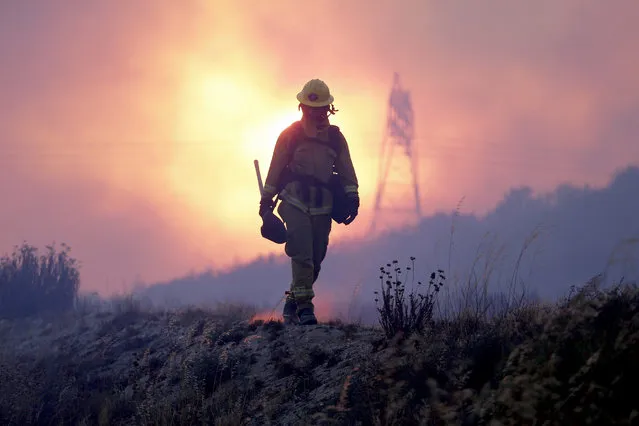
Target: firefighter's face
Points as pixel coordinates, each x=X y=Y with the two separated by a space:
x=318 y=114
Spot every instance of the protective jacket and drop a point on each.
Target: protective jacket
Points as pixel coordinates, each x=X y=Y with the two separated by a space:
x=304 y=167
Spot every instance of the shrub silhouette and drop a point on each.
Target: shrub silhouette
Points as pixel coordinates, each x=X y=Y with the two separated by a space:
x=32 y=284
x=401 y=314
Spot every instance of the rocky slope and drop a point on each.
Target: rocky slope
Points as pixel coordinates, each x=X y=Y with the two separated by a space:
x=574 y=363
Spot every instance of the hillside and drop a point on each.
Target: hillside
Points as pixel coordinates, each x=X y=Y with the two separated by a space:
x=573 y=233
x=570 y=363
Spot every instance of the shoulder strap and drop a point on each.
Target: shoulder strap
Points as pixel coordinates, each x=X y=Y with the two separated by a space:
x=334 y=138
x=295 y=129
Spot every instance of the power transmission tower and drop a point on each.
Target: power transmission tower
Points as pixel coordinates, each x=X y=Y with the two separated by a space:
x=399 y=133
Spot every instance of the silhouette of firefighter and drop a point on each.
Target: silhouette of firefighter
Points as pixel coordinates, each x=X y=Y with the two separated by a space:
x=312 y=176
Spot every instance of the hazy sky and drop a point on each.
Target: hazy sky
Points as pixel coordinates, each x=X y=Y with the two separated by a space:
x=128 y=129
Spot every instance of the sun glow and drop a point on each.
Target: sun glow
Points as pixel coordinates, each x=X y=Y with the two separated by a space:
x=259 y=140
x=226 y=122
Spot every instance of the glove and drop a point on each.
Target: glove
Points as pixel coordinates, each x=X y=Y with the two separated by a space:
x=266 y=204
x=353 y=208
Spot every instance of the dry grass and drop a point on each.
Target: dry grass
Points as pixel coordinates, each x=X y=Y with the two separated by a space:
x=568 y=363
x=123 y=365
x=37 y=284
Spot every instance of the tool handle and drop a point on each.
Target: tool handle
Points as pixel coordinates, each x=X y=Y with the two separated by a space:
x=259 y=176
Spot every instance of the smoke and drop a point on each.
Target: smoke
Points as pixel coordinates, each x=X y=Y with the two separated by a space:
x=545 y=242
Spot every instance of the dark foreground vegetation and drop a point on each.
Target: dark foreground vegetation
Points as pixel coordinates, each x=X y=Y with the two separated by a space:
x=570 y=363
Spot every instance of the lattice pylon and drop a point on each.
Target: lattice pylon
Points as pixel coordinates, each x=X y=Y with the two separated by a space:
x=399 y=132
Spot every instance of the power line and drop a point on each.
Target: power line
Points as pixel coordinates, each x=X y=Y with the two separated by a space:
x=455 y=148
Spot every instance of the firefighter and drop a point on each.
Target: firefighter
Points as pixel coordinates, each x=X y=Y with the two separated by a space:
x=312 y=174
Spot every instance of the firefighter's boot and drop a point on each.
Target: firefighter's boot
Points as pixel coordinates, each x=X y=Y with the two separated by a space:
x=307 y=316
x=290 y=311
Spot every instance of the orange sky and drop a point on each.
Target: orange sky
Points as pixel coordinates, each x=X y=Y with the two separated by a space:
x=128 y=130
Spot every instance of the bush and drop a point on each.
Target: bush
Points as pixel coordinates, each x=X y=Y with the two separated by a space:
x=398 y=314
x=32 y=284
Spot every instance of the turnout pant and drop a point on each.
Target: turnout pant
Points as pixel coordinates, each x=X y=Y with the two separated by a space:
x=306 y=245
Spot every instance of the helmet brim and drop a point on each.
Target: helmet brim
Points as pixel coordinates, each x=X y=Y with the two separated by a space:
x=302 y=99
